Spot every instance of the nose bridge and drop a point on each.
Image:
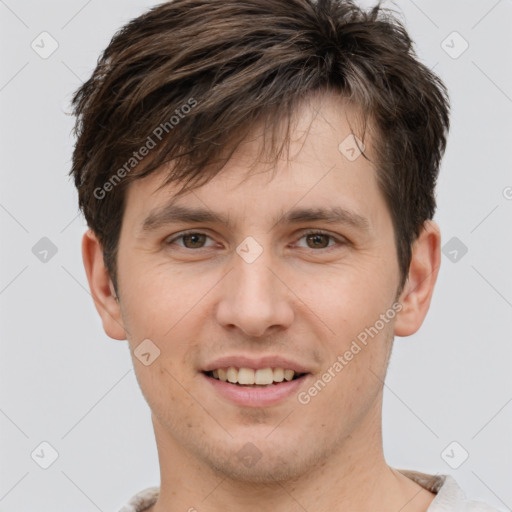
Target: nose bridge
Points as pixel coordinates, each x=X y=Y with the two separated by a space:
x=251 y=264
x=254 y=278
x=253 y=298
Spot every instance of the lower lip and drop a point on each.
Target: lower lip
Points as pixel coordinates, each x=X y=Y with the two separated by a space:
x=256 y=397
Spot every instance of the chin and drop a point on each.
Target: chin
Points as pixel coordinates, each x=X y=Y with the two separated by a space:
x=264 y=462
x=261 y=472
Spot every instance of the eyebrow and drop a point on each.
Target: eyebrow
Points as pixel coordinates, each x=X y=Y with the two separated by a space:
x=173 y=213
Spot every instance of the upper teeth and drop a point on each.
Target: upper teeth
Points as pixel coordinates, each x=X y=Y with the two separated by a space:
x=263 y=376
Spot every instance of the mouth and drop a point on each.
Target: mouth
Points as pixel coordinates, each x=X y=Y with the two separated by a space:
x=263 y=381
x=254 y=378
x=247 y=387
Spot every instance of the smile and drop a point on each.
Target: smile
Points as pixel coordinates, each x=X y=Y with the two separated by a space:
x=271 y=386
x=254 y=378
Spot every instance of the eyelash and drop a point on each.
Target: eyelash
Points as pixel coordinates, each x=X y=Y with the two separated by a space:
x=305 y=233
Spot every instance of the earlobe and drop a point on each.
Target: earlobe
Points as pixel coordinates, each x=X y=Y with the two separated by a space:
x=423 y=270
x=102 y=289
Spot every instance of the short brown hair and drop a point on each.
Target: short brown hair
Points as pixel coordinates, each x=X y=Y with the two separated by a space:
x=201 y=73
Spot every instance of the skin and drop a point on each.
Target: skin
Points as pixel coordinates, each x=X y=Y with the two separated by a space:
x=302 y=298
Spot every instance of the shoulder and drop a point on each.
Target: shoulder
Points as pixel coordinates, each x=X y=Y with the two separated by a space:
x=449 y=495
x=142 y=500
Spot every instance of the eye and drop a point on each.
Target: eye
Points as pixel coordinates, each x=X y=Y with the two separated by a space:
x=319 y=239
x=191 y=239
x=314 y=238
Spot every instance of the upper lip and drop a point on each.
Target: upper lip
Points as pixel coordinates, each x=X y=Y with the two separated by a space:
x=256 y=363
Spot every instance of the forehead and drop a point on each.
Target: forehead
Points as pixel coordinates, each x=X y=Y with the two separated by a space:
x=321 y=170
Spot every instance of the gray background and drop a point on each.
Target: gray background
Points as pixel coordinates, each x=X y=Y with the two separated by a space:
x=64 y=382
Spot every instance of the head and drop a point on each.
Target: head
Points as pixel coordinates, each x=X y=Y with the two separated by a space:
x=248 y=110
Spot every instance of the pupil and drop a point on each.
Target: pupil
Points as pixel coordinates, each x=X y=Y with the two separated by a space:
x=192 y=236
x=316 y=237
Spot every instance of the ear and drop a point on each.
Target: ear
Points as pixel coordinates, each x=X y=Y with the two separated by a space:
x=102 y=288
x=419 y=287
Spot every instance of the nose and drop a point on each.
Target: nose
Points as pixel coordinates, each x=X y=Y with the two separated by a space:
x=254 y=297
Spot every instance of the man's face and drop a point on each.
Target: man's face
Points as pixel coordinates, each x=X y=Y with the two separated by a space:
x=259 y=289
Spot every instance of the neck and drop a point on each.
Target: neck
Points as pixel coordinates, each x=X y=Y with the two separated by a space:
x=354 y=477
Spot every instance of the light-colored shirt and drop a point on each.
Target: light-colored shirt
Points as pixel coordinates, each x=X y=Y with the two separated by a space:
x=449 y=496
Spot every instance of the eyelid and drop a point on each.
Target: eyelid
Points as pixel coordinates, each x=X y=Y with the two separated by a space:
x=341 y=240
x=181 y=234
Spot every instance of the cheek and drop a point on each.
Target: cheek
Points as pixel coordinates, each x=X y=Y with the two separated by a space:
x=350 y=385
x=357 y=307
x=351 y=299
x=159 y=307
x=157 y=301
x=164 y=390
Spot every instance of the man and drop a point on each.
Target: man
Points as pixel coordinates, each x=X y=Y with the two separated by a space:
x=258 y=178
